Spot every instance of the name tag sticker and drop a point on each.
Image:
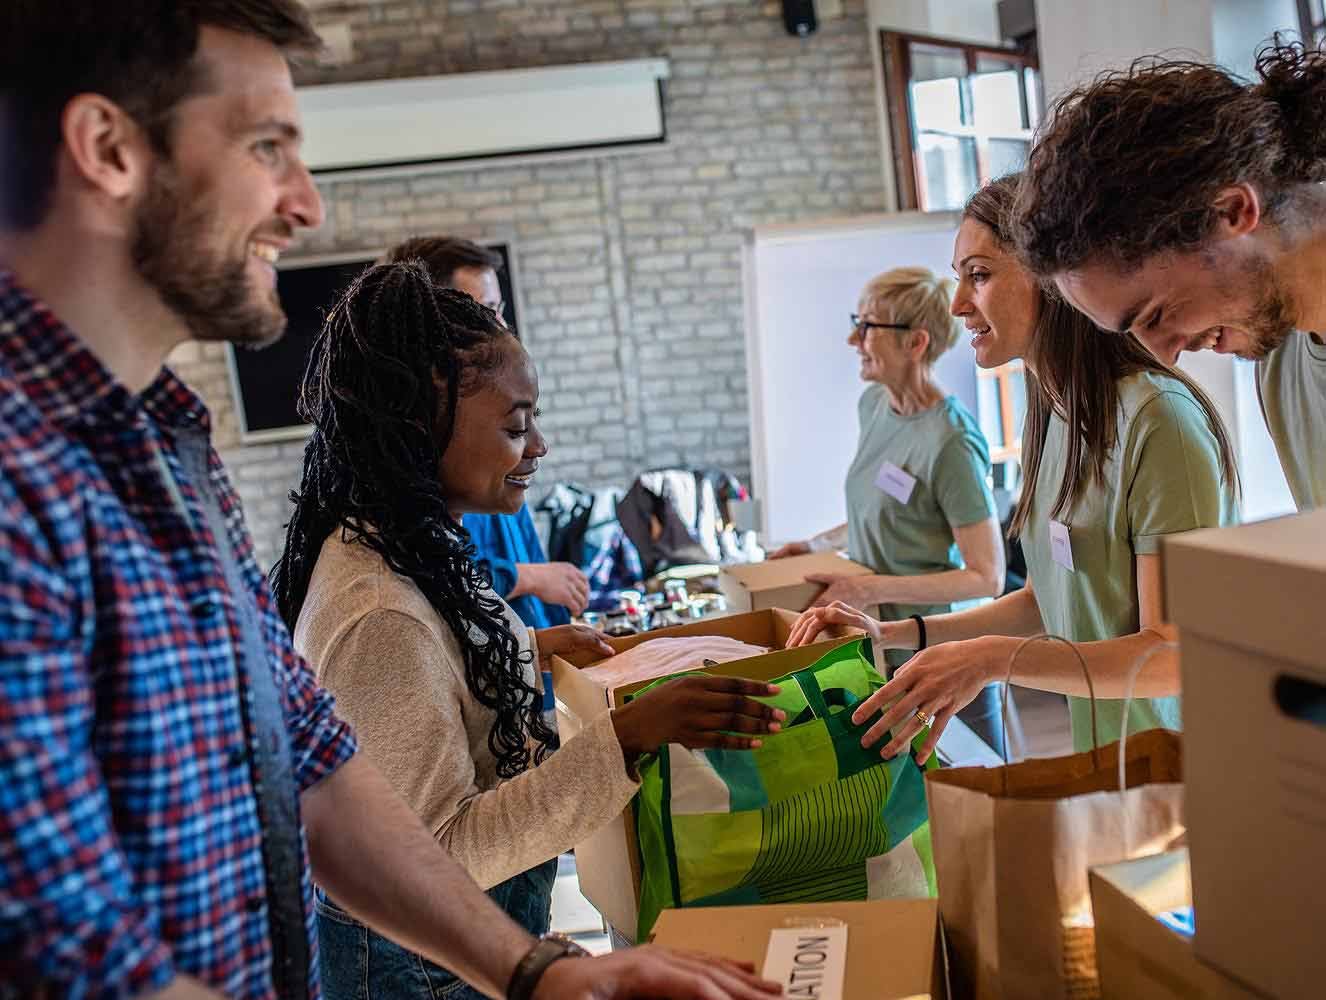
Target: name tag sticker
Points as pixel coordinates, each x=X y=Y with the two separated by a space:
x=808 y=961
x=896 y=483
x=1061 y=545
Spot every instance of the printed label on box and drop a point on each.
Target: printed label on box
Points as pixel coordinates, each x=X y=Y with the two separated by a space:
x=808 y=961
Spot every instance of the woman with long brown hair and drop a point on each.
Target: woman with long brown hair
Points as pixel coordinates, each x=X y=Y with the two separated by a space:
x=1119 y=450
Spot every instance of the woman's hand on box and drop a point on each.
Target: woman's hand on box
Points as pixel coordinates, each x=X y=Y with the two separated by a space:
x=854 y=591
x=567 y=640
x=938 y=681
x=700 y=713
x=790 y=549
x=808 y=627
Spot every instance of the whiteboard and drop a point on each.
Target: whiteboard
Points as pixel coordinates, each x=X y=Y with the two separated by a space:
x=801 y=283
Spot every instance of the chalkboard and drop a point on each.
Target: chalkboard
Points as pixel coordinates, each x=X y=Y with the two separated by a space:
x=266 y=381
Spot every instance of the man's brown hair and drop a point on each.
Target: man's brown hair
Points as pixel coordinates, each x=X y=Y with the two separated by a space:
x=1130 y=165
x=138 y=53
x=443 y=256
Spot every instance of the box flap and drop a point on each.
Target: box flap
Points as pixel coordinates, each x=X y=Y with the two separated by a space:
x=1260 y=587
x=893 y=945
x=776 y=573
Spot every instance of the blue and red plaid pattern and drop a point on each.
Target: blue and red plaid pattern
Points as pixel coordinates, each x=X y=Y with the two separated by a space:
x=130 y=845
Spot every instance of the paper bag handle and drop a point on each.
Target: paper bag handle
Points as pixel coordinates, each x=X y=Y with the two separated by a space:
x=1091 y=691
x=1143 y=658
x=1133 y=672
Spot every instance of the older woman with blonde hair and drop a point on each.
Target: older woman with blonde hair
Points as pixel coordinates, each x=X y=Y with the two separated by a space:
x=920 y=512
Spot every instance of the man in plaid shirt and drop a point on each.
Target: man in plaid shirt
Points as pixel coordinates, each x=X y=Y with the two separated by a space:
x=170 y=774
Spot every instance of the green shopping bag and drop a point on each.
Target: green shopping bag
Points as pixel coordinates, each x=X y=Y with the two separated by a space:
x=809 y=816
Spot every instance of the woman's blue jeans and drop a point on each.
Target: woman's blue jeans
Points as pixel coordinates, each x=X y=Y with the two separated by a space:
x=359 y=964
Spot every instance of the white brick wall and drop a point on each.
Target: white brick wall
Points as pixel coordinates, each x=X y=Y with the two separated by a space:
x=628 y=266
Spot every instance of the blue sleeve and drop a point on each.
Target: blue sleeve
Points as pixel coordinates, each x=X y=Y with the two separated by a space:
x=491 y=550
x=529 y=537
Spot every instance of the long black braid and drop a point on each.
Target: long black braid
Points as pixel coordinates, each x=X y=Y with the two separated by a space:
x=386 y=372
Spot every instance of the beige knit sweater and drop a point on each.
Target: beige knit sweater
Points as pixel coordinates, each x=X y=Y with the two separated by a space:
x=397 y=673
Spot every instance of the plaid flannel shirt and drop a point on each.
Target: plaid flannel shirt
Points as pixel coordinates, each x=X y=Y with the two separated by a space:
x=130 y=841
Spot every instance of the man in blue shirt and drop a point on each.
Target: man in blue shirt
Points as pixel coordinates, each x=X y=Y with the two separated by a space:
x=543 y=594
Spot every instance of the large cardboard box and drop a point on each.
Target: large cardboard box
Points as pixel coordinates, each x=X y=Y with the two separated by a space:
x=1140 y=958
x=894 y=946
x=1250 y=604
x=608 y=862
x=781 y=583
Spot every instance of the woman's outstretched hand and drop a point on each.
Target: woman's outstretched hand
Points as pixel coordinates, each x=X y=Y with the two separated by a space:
x=938 y=682
x=808 y=627
x=567 y=640
x=699 y=712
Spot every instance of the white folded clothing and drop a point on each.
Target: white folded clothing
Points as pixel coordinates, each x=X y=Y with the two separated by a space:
x=662 y=657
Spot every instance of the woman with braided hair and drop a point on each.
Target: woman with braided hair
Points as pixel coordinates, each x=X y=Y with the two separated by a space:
x=423 y=409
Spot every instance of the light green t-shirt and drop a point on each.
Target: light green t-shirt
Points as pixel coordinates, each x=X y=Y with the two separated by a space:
x=1164 y=477
x=943 y=449
x=1291 y=385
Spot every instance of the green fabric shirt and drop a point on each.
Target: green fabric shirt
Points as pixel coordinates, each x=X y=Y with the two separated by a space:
x=1164 y=477
x=1291 y=385
x=944 y=450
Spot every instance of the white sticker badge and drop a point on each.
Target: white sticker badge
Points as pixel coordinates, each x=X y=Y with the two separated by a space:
x=895 y=482
x=808 y=962
x=1061 y=545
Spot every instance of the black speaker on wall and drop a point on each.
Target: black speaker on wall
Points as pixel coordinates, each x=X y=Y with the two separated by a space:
x=799 y=16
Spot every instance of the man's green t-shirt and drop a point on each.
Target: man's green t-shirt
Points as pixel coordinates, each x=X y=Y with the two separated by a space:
x=1291 y=385
x=943 y=451
x=1163 y=477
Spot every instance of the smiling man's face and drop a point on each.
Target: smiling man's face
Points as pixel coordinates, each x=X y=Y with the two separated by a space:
x=1224 y=299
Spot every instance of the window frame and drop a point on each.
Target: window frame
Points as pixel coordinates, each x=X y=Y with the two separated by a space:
x=895 y=54
x=1312 y=21
x=1003 y=375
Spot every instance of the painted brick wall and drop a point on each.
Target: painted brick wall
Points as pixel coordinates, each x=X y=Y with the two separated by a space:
x=629 y=266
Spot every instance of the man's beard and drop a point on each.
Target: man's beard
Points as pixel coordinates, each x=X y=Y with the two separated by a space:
x=214 y=297
x=1271 y=319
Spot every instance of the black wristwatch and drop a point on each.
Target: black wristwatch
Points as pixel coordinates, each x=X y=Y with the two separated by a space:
x=530 y=969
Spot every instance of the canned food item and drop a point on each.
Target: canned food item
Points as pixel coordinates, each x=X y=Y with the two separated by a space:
x=675 y=591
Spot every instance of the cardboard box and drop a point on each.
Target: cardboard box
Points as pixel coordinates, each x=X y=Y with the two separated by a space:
x=781 y=583
x=1139 y=958
x=1250 y=605
x=608 y=862
x=894 y=946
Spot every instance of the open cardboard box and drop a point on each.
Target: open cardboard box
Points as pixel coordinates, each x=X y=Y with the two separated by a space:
x=895 y=948
x=1140 y=958
x=781 y=583
x=608 y=861
x=1250 y=606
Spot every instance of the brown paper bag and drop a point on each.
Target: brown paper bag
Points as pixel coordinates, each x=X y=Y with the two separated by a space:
x=1012 y=847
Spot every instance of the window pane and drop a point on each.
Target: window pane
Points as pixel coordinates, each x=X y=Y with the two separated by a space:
x=987 y=405
x=1017 y=381
x=948 y=167
x=1032 y=81
x=1007 y=156
x=937 y=104
x=936 y=62
x=996 y=99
